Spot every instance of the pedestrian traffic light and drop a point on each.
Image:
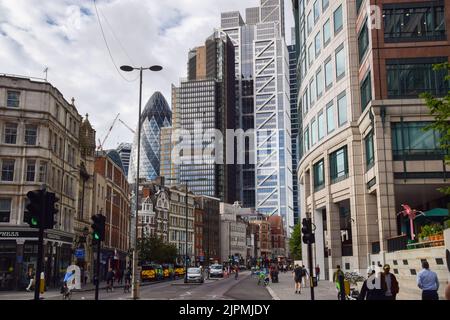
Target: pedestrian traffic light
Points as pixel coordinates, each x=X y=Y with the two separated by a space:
x=34 y=213
x=308 y=235
x=98 y=227
x=50 y=210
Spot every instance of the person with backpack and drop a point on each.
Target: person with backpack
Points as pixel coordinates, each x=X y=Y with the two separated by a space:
x=297 y=273
x=126 y=288
x=305 y=275
x=110 y=280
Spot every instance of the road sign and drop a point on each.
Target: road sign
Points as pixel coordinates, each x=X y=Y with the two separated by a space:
x=79 y=253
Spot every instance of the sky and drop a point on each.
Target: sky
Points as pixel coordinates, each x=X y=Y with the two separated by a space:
x=65 y=36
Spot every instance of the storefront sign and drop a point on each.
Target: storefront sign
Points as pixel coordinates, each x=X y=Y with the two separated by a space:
x=79 y=253
x=18 y=234
x=57 y=237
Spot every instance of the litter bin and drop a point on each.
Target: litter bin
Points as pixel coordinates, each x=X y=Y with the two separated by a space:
x=347 y=287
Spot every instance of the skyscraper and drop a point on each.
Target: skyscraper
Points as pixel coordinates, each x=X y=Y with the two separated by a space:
x=155 y=116
x=262 y=62
x=205 y=101
x=364 y=151
x=124 y=150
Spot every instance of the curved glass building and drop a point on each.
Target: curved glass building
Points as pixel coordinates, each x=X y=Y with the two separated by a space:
x=155 y=116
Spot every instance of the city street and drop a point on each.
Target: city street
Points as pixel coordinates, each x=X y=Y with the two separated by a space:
x=245 y=288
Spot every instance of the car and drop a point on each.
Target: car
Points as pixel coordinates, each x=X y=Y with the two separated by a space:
x=194 y=275
x=216 y=270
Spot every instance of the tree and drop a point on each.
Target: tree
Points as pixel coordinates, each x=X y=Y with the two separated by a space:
x=295 y=243
x=154 y=249
x=440 y=109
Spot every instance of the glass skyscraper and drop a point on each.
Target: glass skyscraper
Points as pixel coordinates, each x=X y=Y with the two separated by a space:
x=124 y=150
x=155 y=116
x=263 y=103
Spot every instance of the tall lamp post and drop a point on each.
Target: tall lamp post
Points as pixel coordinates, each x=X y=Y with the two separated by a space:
x=155 y=68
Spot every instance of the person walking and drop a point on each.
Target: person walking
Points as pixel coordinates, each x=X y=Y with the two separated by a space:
x=338 y=279
x=390 y=283
x=427 y=280
x=30 y=278
x=297 y=275
x=236 y=274
x=305 y=275
x=110 y=280
x=317 y=272
x=126 y=288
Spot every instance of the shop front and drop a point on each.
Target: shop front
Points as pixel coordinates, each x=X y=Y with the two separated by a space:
x=18 y=256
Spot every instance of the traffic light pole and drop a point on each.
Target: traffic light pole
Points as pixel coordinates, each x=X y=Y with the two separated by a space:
x=37 y=283
x=311 y=270
x=97 y=269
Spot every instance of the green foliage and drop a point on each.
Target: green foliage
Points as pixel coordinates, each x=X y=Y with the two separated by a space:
x=447 y=224
x=431 y=230
x=295 y=243
x=156 y=250
x=440 y=109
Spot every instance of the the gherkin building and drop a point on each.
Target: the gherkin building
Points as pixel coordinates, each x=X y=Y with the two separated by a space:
x=155 y=116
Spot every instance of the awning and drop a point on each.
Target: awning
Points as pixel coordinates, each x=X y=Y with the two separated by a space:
x=436 y=212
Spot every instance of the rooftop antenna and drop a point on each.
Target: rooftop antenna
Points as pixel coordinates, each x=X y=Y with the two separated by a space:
x=46 y=73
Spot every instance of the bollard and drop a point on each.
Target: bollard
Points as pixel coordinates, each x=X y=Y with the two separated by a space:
x=42 y=283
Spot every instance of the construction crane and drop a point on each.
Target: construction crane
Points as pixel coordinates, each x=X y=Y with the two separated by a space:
x=127 y=126
x=101 y=144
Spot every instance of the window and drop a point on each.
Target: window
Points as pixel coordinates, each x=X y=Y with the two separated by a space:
x=424 y=21
x=10 y=133
x=305 y=101
x=319 y=83
x=411 y=142
x=306 y=139
x=43 y=172
x=326 y=33
x=330 y=117
x=342 y=109
x=338 y=20
x=363 y=41
x=340 y=62
x=358 y=4
x=370 y=155
x=313 y=132
x=312 y=91
x=310 y=22
x=8 y=170
x=316 y=8
x=310 y=54
x=339 y=165
x=408 y=78
x=31 y=170
x=5 y=210
x=13 y=99
x=319 y=175
x=317 y=44
x=30 y=134
x=325 y=4
x=328 y=73
x=366 y=91
x=321 y=125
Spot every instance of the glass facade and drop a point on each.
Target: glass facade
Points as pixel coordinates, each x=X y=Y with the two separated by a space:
x=156 y=115
x=370 y=152
x=363 y=41
x=410 y=141
x=408 y=78
x=422 y=21
x=319 y=175
x=366 y=91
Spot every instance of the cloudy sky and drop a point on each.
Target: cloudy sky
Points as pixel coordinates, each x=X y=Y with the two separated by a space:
x=65 y=36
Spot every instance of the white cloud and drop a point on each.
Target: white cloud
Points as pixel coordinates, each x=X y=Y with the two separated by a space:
x=65 y=36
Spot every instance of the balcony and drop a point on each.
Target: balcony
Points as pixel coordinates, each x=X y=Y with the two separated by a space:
x=397 y=243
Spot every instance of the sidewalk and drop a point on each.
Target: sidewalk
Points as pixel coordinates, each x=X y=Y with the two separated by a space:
x=285 y=289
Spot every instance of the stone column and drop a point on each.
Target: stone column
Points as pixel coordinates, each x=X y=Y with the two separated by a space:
x=333 y=237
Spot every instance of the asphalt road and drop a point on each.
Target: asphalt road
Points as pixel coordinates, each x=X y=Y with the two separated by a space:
x=245 y=288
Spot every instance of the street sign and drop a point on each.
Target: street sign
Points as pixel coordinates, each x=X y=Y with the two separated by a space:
x=79 y=253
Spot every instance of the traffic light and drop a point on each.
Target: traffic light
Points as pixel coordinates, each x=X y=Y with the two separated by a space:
x=308 y=235
x=98 y=227
x=50 y=210
x=34 y=213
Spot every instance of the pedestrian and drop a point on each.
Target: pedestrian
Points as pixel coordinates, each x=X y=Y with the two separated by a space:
x=318 y=272
x=447 y=292
x=110 y=280
x=126 y=288
x=86 y=276
x=120 y=276
x=338 y=279
x=236 y=270
x=367 y=291
x=297 y=275
x=427 y=280
x=305 y=275
x=30 y=278
x=390 y=283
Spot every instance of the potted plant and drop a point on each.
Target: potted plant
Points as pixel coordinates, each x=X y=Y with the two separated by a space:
x=425 y=233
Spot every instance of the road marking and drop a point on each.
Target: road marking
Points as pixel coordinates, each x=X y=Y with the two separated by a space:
x=273 y=294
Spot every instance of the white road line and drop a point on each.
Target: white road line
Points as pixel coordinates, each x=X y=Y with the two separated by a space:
x=273 y=294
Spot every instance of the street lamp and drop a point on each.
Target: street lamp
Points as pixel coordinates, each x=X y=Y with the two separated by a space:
x=154 y=68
